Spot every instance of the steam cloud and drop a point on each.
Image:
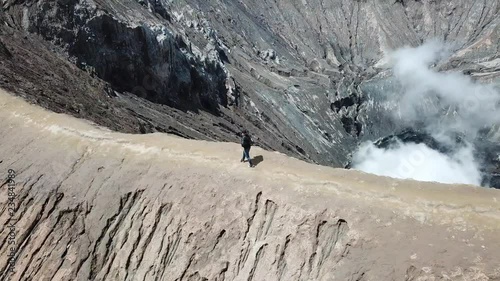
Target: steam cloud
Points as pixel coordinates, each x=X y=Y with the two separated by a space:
x=444 y=105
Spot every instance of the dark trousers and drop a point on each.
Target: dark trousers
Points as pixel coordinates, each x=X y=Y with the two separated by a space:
x=246 y=154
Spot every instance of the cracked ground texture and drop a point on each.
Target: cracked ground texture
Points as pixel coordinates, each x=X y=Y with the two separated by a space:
x=100 y=205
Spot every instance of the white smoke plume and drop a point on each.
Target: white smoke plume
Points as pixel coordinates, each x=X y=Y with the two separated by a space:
x=443 y=104
x=419 y=162
x=427 y=94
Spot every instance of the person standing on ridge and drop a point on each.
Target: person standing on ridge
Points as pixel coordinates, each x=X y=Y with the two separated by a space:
x=246 y=143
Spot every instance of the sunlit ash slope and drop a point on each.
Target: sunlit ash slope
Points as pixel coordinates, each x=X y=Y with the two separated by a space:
x=100 y=205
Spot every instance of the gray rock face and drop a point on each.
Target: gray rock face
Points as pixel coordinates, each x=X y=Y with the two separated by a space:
x=299 y=74
x=147 y=60
x=4 y=52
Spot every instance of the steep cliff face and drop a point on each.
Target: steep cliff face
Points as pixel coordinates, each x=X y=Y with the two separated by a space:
x=147 y=60
x=91 y=204
x=302 y=75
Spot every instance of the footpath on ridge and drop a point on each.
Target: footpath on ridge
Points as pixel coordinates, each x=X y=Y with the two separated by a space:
x=92 y=204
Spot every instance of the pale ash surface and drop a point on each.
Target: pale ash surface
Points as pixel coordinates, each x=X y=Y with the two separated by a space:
x=100 y=205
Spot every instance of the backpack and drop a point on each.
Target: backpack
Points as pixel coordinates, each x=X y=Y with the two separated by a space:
x=246 y=141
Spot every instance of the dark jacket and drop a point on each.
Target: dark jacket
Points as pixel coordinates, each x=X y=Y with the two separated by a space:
x=246 y=141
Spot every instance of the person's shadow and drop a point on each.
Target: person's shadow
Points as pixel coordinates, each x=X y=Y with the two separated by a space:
x=257 y=160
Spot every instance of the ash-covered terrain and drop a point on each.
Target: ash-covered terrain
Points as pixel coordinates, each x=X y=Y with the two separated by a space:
x=307 y=78
x=91 y=204
x=399 y=88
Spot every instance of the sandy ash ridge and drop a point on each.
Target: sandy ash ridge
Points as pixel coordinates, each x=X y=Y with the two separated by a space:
x=101 y=205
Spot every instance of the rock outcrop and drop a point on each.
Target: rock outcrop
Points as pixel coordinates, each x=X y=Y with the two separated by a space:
x=91 y=204
x=302 y=75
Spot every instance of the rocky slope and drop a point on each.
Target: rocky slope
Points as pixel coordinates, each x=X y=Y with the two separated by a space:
x=92 y=204
x=302 y=75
